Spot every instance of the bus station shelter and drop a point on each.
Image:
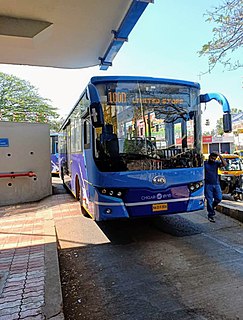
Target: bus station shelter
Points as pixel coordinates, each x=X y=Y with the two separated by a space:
x=66 y=34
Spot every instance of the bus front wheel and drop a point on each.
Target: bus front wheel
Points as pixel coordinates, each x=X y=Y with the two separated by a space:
x=79 y=197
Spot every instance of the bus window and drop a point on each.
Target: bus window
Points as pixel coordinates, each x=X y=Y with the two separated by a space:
x=87 y=134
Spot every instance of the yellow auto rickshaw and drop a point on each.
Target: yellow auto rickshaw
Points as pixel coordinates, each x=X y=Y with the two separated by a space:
x=231 y=176
x=239 y=153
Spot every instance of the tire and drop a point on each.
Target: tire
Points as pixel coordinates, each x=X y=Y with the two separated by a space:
x=78 y=191
x=62 y=175
x=79 y=197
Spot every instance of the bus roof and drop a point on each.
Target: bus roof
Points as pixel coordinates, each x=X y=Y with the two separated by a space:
x=101 y=79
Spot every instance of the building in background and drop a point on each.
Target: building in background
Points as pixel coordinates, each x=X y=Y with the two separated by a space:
x=222 y=144
x=237 y=126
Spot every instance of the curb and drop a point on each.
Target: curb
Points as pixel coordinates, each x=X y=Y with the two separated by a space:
x=231 y=210
x=53 y=308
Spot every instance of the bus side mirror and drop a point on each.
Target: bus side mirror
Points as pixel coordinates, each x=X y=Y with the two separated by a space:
x=96 y=113
x=227 y=123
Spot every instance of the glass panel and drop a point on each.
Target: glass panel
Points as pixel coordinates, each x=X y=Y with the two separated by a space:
x=150 y=121
x=233 y=165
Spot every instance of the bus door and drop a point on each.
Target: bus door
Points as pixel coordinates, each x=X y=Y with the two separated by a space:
x=68 y=169
x=86 y=134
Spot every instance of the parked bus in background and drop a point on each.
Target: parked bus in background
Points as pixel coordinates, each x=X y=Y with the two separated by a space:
x=132 y=147
x=54 y=153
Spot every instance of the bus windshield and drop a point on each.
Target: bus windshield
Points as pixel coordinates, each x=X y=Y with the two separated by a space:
x=148 y=126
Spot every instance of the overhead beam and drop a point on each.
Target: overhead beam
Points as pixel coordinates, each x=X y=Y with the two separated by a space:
x=121 y=35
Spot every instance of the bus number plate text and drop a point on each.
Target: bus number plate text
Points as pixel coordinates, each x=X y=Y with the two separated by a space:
x=159 y=207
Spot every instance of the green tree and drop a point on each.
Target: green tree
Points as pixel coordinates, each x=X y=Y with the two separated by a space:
x=227 y=34
x=20 y=101
x=210 y=133
x=219 y=127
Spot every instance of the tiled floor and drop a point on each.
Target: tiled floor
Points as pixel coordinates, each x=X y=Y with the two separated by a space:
x=25 y=230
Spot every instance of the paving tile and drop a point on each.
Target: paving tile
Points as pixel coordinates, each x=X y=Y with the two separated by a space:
x=32 y=308
x=34 y=288
x=33 y=300
x=10 y=317
x=14 y=284
x=36 y=317
x=25 y=230
x=5 y=303
x=12 y=294
x=9 y=311
x=30 y=313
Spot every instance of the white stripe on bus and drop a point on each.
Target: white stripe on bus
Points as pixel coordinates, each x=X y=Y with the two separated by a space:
x=131 y=204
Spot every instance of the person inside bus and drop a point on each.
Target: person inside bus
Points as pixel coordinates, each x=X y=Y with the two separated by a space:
x=213 y=192
x=109 y=141
x=109 y=150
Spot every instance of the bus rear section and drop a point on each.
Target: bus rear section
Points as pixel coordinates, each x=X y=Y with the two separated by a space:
x=131 y=147
x=54 y=153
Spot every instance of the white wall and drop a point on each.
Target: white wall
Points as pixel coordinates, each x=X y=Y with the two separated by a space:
x=28 y=149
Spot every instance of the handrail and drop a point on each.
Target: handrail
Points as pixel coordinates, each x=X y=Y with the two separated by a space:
x=14 y=175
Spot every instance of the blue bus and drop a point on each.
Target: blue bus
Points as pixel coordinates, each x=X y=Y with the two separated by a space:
x=54 y=153
x=132 y=147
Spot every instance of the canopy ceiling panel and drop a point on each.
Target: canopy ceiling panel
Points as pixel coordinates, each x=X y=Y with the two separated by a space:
x=65 y=33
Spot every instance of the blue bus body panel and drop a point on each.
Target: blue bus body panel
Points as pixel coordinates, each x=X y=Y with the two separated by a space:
x=54 y=163
x=54 y=153
x=140 y=194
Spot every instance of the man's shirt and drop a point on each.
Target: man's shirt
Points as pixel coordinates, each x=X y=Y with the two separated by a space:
x=211 y=172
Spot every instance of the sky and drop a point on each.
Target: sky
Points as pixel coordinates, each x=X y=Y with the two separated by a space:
x=164 y=43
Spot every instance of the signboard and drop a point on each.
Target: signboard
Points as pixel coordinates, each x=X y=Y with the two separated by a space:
x=4 y=142
x=207 y=139
x=146 y=98
x=190 y=140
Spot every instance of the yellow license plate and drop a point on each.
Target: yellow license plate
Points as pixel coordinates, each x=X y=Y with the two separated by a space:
x=159 y=207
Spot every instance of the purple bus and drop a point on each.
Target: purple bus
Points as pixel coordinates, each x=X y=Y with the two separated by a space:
x=132 y=147
x=54 y=153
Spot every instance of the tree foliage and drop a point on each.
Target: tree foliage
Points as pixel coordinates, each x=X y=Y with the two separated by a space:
x=227 y=34
x=20 y=101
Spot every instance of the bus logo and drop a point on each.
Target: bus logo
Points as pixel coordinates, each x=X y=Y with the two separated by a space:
x=159 y=180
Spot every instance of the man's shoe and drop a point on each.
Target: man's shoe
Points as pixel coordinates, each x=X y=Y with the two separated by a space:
x=211 y=219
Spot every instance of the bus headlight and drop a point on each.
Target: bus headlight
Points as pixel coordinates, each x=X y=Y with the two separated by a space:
x=194 y=186
x=112 y=192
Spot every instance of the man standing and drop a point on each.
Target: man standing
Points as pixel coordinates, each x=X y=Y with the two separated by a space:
x=213 y=192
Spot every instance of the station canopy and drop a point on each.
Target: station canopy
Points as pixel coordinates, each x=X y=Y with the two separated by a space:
x=66 y=33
